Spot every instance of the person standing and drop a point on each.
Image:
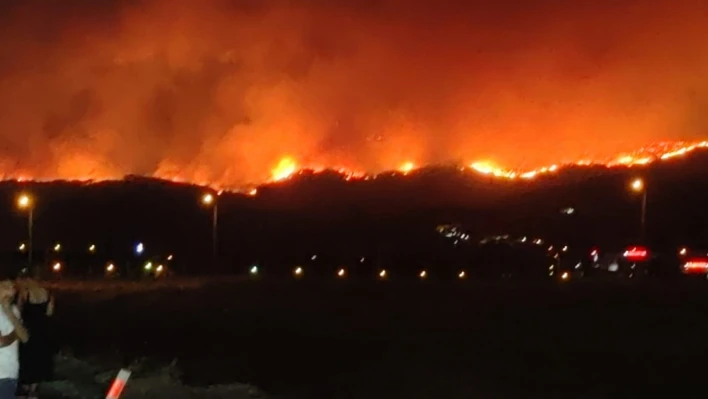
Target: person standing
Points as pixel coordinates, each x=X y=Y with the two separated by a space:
x=37 y=355
x=11 y=330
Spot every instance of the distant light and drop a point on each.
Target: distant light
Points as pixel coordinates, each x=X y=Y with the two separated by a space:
x=362 y=260
x=696 y=265
x=253 y=192
x=341 y=273
x=565 y=276
x=636 y=253
x=683 y=251
x=637 y=185
x=139 y=248
x=56 y=267
x=160 y=268
x=57 y=247
x=550 y=248
x=423 y=274
x=254 y=270
x=22 y=247
x=538 y=241
x=594 y=252
x=551 y=267
x=208 y=199
x=461 y=274
x=92 y=248
x=110 y=267
x=383 y=273
x=314 y=257
x=523 y=239
x=148 y=266
x=578 y=265
x=568 y=211
x=298 y=271
x=24 y=201
x=565 y=248
x=169 y=257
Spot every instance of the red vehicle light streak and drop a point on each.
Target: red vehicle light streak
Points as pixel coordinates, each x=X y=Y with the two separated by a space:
x=636 y=253
x=696 y=266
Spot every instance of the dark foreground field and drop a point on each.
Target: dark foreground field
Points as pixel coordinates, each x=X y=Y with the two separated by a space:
x=407 y=340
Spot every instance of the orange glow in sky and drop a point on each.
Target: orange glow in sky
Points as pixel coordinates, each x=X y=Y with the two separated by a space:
x=238 y=93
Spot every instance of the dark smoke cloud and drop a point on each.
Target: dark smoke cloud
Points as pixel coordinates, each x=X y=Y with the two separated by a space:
x=222 y=90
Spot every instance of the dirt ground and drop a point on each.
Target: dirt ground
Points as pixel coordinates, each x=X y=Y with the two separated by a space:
x=346 y=339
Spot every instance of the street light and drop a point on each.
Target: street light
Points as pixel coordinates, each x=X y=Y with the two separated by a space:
x=638 y=186
x=209 y=199
x=24 y=201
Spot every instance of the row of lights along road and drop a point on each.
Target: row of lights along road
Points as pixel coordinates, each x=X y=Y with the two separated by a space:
x=299 y=271
x=149 y=267
x=383 y=274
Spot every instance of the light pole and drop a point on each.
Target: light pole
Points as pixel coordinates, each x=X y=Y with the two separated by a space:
x=211 y=200
x=24 y=201
x=639 y=186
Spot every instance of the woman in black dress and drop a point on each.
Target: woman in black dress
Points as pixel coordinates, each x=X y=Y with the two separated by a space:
x=37 y=355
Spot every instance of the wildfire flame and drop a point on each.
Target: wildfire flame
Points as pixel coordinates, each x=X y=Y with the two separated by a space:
x=288 y=167
x=285 y=168
x=407 y=167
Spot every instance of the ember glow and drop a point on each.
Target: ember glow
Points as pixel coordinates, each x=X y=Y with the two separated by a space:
x=237 y=93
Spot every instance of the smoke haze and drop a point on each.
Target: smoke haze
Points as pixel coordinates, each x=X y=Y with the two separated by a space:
x=221 y=91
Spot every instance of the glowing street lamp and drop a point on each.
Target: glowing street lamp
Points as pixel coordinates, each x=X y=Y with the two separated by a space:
x=211 y=200
x=56 y=266
x=342 y=273
x=208 y=199
x=110 y=268
x=25 y=201
x=423 y=275
x=57 y=247
x=638 y=186
x=92 y=248
x=139 y=248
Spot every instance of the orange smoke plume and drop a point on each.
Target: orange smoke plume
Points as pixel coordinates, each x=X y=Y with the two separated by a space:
x=232 y=93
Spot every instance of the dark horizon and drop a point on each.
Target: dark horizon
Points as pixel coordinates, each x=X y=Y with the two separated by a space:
x=342 y=220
